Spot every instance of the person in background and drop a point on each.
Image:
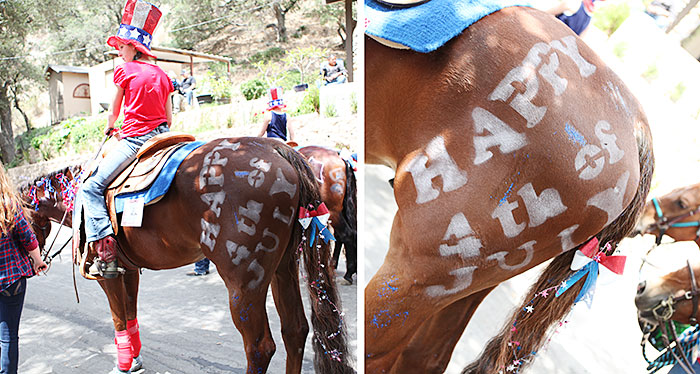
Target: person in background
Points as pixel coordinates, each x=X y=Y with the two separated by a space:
x=574 y=13
x=187 y=86
x=333 y=71
x=177 y=97
x=20 y=258
x=276 y=120
x=201 y=268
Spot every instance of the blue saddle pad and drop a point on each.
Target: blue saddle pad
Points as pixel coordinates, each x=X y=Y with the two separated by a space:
x=428 y=26
x=162 y=183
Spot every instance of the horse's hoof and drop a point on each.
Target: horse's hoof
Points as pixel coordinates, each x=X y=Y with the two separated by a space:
x=137 y=364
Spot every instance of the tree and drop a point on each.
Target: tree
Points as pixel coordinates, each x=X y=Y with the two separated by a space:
x=18 y=19
x=194 y=21
x=281 y=8
x=304 y=58
x=271 y=72
x=333 y=13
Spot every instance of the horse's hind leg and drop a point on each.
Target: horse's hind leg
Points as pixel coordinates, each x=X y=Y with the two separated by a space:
x=250 y=317
x=430 y=348
x=295 y=328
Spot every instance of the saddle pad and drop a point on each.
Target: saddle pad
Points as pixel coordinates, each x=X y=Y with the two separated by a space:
x=161 y=185
x=426 y=27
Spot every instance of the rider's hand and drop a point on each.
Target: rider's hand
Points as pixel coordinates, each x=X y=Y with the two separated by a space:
x=37 y=262
x=109 y=130
x=39 y=266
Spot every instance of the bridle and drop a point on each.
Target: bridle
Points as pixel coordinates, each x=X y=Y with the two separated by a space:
x=662 y=313
x=663 y=223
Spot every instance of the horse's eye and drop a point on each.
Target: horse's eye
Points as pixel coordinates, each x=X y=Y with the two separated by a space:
x=682 y=204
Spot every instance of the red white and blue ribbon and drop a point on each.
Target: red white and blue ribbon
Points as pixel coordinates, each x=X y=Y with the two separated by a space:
x=318 y=220
x=587 y=263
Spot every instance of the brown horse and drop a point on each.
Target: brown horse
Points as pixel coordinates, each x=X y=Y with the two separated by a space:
x=676 y=214
x=512 y=144
x=236 y=201
x=672 y=297
x=339 y=192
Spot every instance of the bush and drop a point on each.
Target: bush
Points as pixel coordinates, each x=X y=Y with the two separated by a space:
x=651 y=73
x=311 y=102
x=253 y=89
x=677 y=92
x=610 y=17
x=272 y=53
x=79 y=133
x=219 y=86
x=330 y=111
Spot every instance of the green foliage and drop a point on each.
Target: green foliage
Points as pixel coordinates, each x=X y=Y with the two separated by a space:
x=330 y=111
x=310 y=103
x=677 y=92
x=353 y=102
x=270 y=54
x=74 y=135
x=304 y=59
x=271 y=72
x=219 y=87
x=620 y=50
x=290 y=79
x=651 y=73
x=253 y=89
x=610 y=17
x=195 y=21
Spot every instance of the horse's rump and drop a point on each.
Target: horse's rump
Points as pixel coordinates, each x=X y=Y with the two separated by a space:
x=513 y=143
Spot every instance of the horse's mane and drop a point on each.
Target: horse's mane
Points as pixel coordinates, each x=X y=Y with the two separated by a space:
x=29 y=181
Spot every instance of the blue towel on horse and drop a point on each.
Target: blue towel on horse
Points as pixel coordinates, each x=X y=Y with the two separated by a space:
x=161 y=185
x=426 y=27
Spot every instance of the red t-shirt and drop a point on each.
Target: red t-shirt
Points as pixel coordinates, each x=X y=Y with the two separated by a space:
x=146 y=89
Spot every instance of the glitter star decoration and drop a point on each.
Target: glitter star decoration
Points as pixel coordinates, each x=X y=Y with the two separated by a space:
x=529 y=309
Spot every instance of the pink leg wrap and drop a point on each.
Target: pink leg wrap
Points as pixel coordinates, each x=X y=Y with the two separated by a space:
x=133 y=328
x=123 y=349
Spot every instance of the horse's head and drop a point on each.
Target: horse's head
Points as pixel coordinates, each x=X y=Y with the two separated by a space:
x=41 y=225
x=673 y=296
x=49 y=197
x=676 y=214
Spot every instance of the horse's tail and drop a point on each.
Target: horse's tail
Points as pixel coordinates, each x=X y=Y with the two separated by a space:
x=348 y=228
x=530 y=334
x=329 y=341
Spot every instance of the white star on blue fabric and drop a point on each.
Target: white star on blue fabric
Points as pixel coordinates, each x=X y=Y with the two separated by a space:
x=123 y=31
x=146 y=40
x=134 y=34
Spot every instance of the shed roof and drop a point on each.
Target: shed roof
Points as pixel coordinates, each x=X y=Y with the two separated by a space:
x=67 y=69
x=179 y=55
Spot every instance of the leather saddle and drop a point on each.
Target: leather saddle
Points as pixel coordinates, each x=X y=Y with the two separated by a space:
x=144 y=170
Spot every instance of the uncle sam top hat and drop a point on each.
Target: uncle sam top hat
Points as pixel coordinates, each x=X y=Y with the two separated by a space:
x=138 y=23
x=276 y=101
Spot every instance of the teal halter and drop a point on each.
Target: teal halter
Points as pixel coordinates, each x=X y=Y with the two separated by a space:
x=664 y=223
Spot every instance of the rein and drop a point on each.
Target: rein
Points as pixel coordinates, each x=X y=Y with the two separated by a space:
x=662 y=314
x=664 y=223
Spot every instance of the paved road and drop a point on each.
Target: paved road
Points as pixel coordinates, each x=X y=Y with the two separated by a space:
x=185 y=325
x=602 y=340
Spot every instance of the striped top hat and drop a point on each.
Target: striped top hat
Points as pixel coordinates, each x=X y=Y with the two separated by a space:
x=138 y=23
x=276 y=101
